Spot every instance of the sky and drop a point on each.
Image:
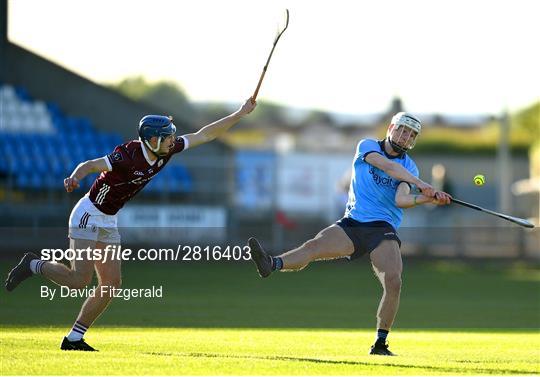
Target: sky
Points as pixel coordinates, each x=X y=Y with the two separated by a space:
x=448 y=57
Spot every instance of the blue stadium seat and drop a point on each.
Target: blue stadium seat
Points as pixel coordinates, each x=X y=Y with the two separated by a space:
x=37 y=160
x=39 y=141
x=29 y=180
x=36 y=180
x=25 y=164
x=3 y=156
x=41 y=165
x=183 y=180
x=59 y=122
x=55 y=166
x=85 y=125
x=11 y=162
x=4 y=165
x=172 y=179
x=23 y=94
x=54 y=109
x=22 y=181
x=91 y=152
x=113 y=139
x=85 y=139
x=88 y=181
x=53 y=181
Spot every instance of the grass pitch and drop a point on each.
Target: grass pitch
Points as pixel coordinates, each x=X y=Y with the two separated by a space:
x=165 y=351
x=221 y=319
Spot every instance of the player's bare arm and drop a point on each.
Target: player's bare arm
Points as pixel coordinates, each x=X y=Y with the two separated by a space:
x=404 y=198
x=219 y=127
x=398 y=172
x=82 y=170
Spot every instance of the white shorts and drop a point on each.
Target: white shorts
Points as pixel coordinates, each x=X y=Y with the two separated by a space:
x=89 y=223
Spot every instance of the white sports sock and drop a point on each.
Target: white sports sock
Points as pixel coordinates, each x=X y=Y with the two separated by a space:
x=77 y=332
x=36 y=265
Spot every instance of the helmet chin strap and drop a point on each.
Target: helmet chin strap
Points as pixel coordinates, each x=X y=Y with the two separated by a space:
x=395 y=147
x=153 y=150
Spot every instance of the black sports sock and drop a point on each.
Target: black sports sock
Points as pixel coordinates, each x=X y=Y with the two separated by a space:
x=382 y=335
x=277 y=263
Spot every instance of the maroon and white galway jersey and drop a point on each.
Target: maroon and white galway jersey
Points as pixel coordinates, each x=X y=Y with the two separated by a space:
x=130 y=170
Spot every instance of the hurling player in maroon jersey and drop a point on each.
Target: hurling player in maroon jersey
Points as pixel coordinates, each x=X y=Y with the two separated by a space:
x=93 y=221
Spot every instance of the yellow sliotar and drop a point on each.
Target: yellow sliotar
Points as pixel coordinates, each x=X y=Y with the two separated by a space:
x=479 y=180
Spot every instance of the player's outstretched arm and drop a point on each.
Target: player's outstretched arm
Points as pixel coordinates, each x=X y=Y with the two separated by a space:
x=82 y=170
x=404 y=198
x=398 y=172
x=213 y=130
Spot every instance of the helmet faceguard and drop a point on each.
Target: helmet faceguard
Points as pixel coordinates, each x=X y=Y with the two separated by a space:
x=403 y=131
x=159 y=126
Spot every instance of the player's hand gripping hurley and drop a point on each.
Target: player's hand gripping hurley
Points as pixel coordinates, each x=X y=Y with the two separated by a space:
x=280 y=32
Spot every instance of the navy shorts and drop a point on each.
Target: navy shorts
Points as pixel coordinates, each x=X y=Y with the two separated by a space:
x=368 y=235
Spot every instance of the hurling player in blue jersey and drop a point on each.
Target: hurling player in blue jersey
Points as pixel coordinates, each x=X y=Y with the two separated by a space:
x=382 y=177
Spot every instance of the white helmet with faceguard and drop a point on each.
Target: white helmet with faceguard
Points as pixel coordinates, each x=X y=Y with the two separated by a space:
x=403 y=131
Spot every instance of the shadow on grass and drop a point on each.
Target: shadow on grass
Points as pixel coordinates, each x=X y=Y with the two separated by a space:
x=341 y=362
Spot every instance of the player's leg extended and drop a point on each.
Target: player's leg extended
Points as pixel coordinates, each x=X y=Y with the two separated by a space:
x=81 y=271
x=78 y=276
x=387 y=264
x=330 y=243
x=109 y=277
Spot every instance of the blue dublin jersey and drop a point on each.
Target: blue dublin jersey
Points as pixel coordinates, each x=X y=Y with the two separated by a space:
x=372 y=192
